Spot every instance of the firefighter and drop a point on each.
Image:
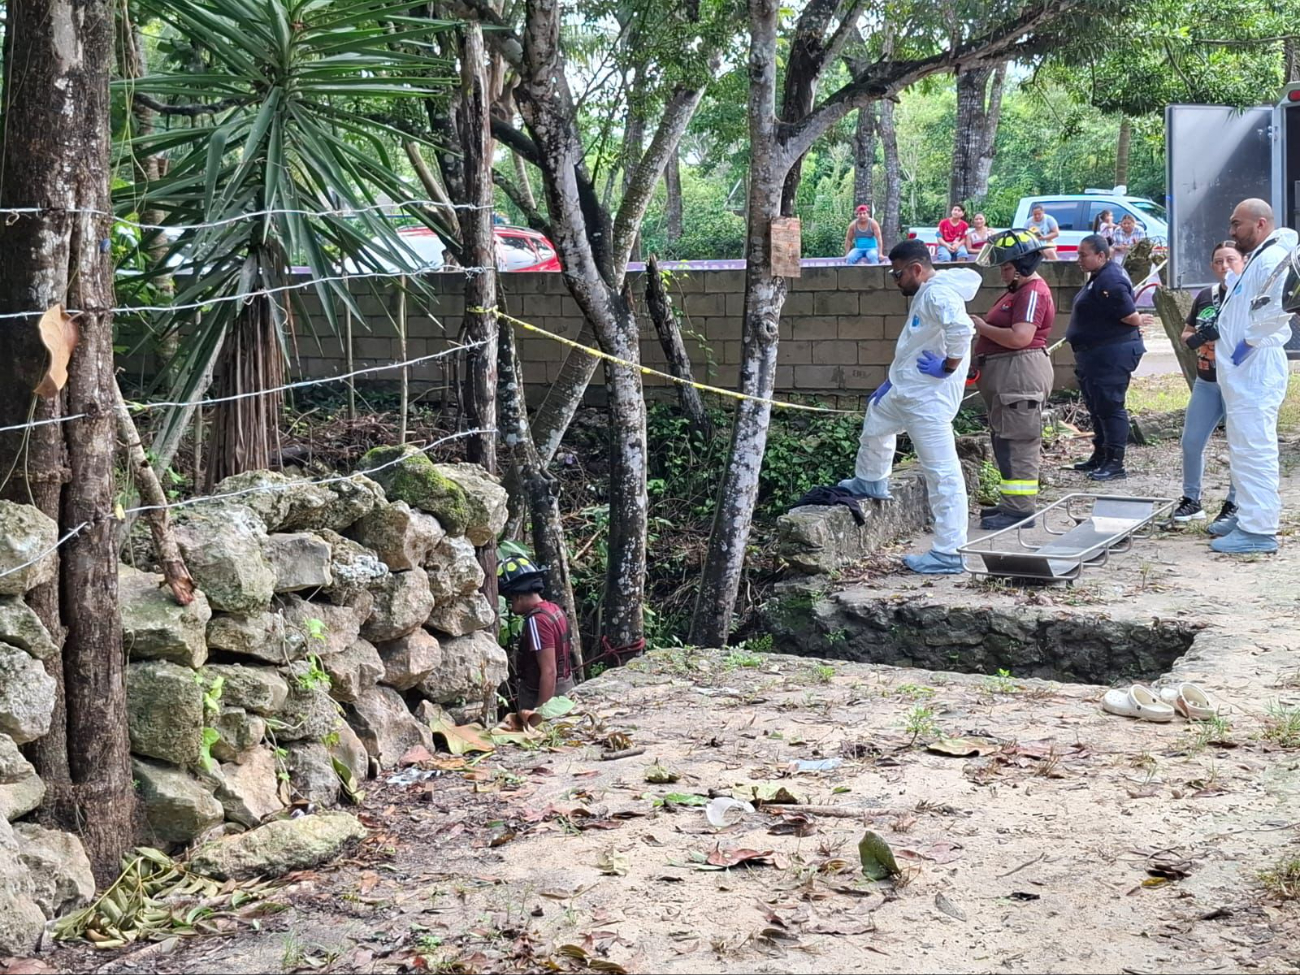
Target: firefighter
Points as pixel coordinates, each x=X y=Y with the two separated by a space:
x=543 y=659
x=1015 y=372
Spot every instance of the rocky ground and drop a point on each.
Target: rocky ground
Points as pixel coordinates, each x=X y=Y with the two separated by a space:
x=1049 y=837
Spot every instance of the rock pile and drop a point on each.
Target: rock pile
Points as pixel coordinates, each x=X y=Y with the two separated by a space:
x=325 y=614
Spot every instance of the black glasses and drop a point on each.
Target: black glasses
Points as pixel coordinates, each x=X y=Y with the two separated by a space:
x=897 y=275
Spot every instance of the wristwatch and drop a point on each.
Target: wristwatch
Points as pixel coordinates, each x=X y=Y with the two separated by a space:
x=949 y=369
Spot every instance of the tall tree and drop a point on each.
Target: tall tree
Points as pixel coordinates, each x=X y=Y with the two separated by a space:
x=865 y=137
x=979 y=108
x=58 y=56
x=776 y=151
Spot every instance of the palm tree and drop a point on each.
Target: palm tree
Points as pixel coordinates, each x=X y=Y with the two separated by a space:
x=294 y=111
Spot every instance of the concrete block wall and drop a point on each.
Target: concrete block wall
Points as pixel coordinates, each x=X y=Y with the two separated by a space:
x=837 y=333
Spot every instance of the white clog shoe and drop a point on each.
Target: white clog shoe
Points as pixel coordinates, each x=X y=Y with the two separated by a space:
x=1191 y=701
x=1137 y=702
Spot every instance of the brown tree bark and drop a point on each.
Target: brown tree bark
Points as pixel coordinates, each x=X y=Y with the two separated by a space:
x=673 y=192
x=245 y=432
x=891 y=223
x=56 y=155
x=1291 y=59
x=864 y=155
x=539 y=488
x=979 y=109
x=1122 y=145
x=670 y=340
x=480 y=289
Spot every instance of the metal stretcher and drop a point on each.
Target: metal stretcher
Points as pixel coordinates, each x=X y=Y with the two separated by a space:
x=1087 y=538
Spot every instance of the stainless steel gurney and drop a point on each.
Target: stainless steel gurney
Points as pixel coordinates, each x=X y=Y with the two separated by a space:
x=1089 y=527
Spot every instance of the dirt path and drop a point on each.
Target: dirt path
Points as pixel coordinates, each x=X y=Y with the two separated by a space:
x=1035 y=856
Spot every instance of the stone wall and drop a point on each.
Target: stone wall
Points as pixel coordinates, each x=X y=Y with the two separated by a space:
x=838 y=328
x=326 y=615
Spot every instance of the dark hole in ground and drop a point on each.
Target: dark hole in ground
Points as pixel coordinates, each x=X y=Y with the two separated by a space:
x=1025 y=641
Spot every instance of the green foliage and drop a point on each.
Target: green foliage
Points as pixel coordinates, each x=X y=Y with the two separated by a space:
x=920 y=722
x=315 y=675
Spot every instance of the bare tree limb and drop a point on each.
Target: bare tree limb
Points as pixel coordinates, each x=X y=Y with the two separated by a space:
x=514 y=140
x=528 y=207
x=887 y=76
x=189 y=111
x=640 y=186
x=501 y=38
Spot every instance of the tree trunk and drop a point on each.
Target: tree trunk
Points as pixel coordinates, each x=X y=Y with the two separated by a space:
x=633 y=146
x=864 y=155
x=524 y=183
x=1172 y=308
x=1291 y=59
x=891 y=225
x=539 y=488
x=564 y=396
x=58 y=60
x=480 y=289
x=673 y=188
x=992 y=118
x=764 y=296
x=1122 y=151
x=670 y=339
x=969 y=136
x=245 y=432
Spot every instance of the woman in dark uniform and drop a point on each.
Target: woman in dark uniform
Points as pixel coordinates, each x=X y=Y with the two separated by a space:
x=1105 y=335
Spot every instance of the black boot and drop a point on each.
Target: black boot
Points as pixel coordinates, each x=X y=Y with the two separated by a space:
x=1112 y=468
x=1093 y=462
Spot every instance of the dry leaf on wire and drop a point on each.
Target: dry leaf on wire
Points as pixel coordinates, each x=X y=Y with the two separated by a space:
x=60 y=335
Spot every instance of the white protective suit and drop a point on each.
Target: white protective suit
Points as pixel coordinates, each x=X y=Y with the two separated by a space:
x=924 y=407
x=1253 y=391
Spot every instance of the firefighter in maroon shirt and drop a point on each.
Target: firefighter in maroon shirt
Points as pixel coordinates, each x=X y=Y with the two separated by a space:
x=543 y=659
x=1015 y=372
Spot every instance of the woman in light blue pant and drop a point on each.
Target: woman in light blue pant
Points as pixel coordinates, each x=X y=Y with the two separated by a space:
x=1205 y=410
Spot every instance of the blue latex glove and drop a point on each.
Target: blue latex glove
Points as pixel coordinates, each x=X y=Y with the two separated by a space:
x=1241 y=352
x=880 y=392
x=932 y=365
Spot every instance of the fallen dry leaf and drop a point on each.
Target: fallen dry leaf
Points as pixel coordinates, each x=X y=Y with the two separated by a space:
x=719 y=857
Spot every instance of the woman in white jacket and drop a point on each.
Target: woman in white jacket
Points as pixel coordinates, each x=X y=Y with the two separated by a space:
x=921 y=398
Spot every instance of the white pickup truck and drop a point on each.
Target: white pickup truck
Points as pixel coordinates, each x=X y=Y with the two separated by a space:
x=1076 y=213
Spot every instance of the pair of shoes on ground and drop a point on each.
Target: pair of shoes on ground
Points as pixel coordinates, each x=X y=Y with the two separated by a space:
x=1189 y=509
x=995 y=519
x=1105 y=464
x=1141 y=702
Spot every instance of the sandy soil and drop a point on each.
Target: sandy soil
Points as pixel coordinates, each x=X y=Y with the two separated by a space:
x=1035 y=856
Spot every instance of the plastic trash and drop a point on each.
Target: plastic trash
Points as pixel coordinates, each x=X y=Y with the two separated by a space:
x=820 y=765
x=724 y=811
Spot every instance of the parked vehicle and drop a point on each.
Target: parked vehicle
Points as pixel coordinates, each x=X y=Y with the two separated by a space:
x=1075 y=213
x=517 y=249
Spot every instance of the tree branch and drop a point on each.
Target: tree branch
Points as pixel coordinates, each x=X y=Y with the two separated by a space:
x=189 y=111
x=885 y=77
x=533 y=215
x=640 y=186
x=516 y=141
x=501 y=38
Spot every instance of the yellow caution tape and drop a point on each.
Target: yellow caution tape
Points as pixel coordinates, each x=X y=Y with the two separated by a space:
x=646 y=370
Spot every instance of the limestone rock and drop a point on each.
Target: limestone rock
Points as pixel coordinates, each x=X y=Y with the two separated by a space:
x=62 y=880
x=471 y=667
x=261 y=635
x=486 y=501
x=299 y=560
x=21 y=920
x=453 y=569
x=26 y=695
x=21 y=789
x=321 y=629
x=311 y=773
x=164 y=711
x=355 y=668
x=352 y=499
x=402 y=602
x=240 y=733
x=402 y=537
x=20 y=627
x=222 y=548
x=461 y=615
x=278 y=500
x=178 y=807
x=258 y=689
x=309 y=712
x=250 y=791
x=354 y=569
x=412 y=477
x=351 y=751
x=154 y=626
x=25 y=533
x=278 y=847
x=409 y=659
x=385 y=726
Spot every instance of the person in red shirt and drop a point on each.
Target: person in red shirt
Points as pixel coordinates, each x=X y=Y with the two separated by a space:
x=1015 y=372
x=952 y=236
x=543 y=659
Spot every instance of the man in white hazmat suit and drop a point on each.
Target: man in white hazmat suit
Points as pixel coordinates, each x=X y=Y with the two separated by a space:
x=921 y=397
x=1253 y=379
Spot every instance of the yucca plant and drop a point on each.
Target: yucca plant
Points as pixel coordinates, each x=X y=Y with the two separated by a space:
x=290 y=101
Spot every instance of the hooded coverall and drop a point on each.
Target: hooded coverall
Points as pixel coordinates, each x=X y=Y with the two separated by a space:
x=1253 y=391
x=924 y=407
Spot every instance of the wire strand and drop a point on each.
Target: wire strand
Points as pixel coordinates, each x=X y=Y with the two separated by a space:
x=53 y=548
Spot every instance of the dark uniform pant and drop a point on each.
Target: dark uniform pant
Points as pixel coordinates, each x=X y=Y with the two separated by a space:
x=1015 y=386
x=1104 y=372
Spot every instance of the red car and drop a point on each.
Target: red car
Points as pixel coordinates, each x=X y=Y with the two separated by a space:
x=518 y=249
